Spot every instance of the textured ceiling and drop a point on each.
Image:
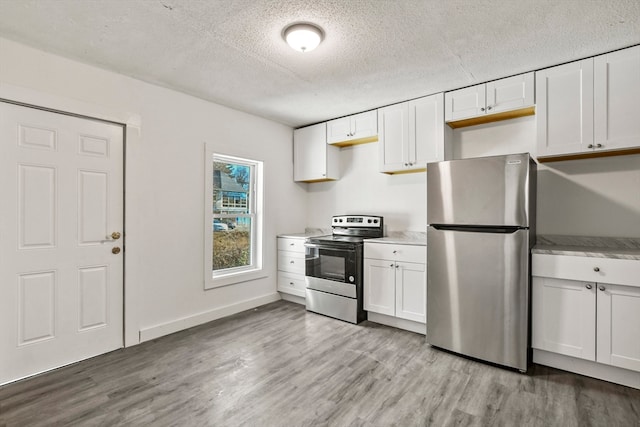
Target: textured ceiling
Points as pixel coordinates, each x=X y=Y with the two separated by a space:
x=375 y=52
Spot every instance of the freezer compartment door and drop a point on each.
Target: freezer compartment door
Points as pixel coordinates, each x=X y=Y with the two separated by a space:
x=478 y=294
x=496 y=190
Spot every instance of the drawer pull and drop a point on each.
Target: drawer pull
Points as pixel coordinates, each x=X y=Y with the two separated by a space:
x=596 y=269
x=395 y=252
x=291 y=283
x=602 y=288
x=292 y=262
x=588 y=286
x=292 y=244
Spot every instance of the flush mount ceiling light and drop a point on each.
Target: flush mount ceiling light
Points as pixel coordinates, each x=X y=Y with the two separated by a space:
x=303 y=37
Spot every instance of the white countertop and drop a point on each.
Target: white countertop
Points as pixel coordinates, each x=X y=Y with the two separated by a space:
x=587 y=246
x=403 y=238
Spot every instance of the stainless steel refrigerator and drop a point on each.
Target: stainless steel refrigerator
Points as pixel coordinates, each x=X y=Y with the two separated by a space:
x=481 y=215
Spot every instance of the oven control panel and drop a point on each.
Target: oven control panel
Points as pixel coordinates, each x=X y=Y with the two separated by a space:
x=356 y=221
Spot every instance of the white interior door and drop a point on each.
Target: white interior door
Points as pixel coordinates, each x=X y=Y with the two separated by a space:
x=61 y=280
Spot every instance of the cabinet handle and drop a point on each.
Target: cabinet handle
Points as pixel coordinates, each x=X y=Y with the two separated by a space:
x=397 y=265
x=291 y=283
x=588 y=286
x=602 y=288
x=292 y=262
x=489 y=107
x=482 y=108
x=599 y=145
x=390 y=265
x=596 y=269
x=590 y=146
x=395 y=251
x=292 y=244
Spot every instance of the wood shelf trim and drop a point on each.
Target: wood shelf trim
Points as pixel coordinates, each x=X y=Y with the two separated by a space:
x=590 y=155
x=350 y=142
x=489 y=118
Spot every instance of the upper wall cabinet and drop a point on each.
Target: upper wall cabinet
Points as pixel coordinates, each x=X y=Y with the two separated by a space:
x=314 y=160
x=357 y=129
x=411 y=134
x=489 y=102
x=589 y=108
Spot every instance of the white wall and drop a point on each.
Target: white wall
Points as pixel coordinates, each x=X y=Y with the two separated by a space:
x=165 y=179
x=594 y=197
x=400 y=199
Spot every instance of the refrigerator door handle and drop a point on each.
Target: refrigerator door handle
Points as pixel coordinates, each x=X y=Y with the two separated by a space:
x=477 y=229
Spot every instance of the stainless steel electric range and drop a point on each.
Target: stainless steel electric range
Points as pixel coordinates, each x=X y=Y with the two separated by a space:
x=334 y=267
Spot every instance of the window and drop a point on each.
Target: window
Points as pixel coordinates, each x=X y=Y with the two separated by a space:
x=233 y=220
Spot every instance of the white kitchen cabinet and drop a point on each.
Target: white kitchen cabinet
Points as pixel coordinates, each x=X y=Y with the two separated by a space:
x=314 y=160
x=618 y=327
x=356 y=129
x=291 y=263
x=411 y=134
x=491 y=101
x=395 y=280
x=564 y=317
x=587 y=308
x=565 y=108
x=379 y=287
x=617 y=100
x=589 y=108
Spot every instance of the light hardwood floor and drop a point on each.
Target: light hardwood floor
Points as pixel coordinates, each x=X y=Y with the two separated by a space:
x=279 y=365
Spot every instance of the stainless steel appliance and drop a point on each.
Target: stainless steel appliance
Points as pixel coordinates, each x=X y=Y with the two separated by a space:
x=481 y=215
x=333 y=267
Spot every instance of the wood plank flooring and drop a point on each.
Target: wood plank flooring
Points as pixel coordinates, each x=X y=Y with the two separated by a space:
x=279 y=365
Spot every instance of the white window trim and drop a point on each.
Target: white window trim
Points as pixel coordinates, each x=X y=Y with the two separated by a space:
x=231 y=277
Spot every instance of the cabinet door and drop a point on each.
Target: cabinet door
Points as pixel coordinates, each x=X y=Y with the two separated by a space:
x=510 y=93
x=393 y=137
x=619 y=326
x=313 y=159
x=411 y=291
x=465 y=103
x=364 y=125
x=617 y=99
x=426 y=131
x=564 y=317
x=379 y=286
x=339 y=130
x=564 y=116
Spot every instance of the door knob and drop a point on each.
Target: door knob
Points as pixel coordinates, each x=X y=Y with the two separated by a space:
x=115 y=235
x=115 y=250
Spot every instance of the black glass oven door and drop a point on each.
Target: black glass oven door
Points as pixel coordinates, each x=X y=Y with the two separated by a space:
x=330 y=262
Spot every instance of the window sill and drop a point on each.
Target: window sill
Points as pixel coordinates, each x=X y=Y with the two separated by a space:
x=234 y=278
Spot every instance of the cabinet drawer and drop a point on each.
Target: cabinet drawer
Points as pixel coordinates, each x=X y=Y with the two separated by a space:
x=291 y=245
x=590 y=269
x=291 y=262
x=291 y=283
x=406 y=253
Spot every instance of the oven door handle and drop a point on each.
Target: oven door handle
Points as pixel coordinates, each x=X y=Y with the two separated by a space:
x=327 y=247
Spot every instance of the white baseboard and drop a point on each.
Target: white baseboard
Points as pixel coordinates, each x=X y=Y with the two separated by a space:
x=588 y=368
x=157 y=331
x=293 y=298
x=407 y=325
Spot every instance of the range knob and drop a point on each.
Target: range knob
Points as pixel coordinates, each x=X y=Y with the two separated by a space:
x=375 y=221
x=340 y=219
x=369 y=221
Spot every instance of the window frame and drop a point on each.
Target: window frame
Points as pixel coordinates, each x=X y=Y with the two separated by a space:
x=230 y=276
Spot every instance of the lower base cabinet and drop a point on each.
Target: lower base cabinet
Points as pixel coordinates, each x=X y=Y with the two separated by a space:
x=291 y=266
x=587 y=318
x=394 y=284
